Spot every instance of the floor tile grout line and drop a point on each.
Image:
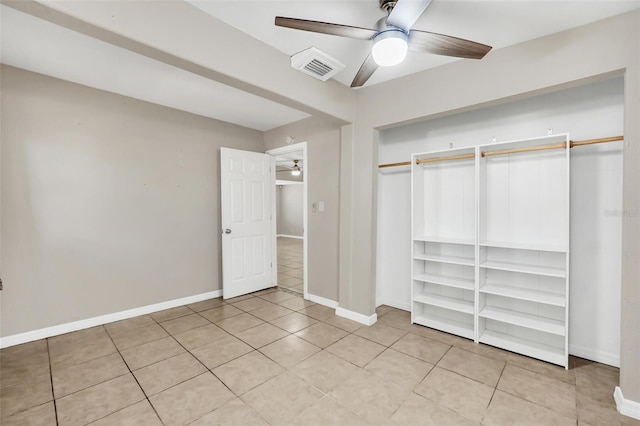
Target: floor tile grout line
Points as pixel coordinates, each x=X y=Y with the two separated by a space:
x=210 y=370
x=495 y=388
x=287 y=368
x=134 y=378
x=523 y=367
x=538 y=404
x=389 y=346
x=258 y=348
x=95 y=384
x=371 y=340
x=194 y=356
x=53 y=395
x=174 y=318
x=462 y=348
x=207 y=368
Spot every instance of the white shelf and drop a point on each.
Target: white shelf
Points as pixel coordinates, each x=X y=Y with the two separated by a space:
x=525 y=347
x=464 y=283
x=446 y=240
x=445 y=324
x=455 y=260
x=450 y=303
x=516 y=211
x=524 y=294
x=533 y=322
x=524 y=268
x=556 y=248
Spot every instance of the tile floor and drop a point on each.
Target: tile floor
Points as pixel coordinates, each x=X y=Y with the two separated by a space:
x=290 y=266
x=271 y=358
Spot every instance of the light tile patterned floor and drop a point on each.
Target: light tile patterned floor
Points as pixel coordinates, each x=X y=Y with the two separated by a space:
x=271 y=358
x=290 y=264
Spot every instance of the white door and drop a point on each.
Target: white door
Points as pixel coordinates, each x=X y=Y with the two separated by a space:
x=247 y=179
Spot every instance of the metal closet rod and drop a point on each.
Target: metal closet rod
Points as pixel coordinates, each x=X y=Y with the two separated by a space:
x=572 y=144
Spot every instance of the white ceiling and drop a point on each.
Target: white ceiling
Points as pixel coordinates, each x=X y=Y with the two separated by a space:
x=40 y=46
x=286 y=160
x=497 y=23
x=31 y=43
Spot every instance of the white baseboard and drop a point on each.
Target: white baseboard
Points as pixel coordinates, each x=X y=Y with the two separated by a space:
x=290 y=236
x=394 y=304
x=626 y=407
x=594 y=355
x=322 y=301
x=56 y=330
x=355 y=316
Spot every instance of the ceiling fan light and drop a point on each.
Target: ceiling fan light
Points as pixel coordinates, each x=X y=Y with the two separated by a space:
x=389 y=48
x=295 y=172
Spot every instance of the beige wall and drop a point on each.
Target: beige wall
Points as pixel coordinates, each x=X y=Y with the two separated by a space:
x=578 y=56
x=289 y=203
x=323 y=173
x=108 y=203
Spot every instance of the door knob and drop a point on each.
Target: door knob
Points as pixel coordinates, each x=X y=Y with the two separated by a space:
x=227 y=231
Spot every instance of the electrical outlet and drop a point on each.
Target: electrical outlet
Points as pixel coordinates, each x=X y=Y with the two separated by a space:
x=321 y=206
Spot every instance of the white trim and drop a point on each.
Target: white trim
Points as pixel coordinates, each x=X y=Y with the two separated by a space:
x=626 y=407
x=290 y=236
x=56 y=330
x=608 y=358
x=357 y=317
x=305 y=213
x=322 y=301
x=394 y=304
x=288 y=182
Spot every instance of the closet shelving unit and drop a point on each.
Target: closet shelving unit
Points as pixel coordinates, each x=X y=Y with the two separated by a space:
x=490 y=236
x=523 y=247
x=444 y=240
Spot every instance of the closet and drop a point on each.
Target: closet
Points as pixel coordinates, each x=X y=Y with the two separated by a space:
x=444 y=241
x=490 y=244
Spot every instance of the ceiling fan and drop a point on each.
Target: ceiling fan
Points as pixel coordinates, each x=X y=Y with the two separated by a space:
x=392 y=37
x=295 y=170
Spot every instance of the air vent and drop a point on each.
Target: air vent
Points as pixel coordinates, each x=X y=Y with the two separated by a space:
x=316 y=63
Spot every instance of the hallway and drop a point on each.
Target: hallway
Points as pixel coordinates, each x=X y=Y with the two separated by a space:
x=290 y=264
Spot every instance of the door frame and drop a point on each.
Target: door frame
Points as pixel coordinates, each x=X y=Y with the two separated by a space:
x=305 y=228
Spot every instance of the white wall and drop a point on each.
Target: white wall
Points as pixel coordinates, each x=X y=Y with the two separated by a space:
x=289 y=199
x=596 y=110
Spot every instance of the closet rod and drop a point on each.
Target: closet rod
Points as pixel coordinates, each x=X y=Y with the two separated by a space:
x=593 y=141
x=573 y=144
x=404 y=163
x=527 y=149
x=452 y=157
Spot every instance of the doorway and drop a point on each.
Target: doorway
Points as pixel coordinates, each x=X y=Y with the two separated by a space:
x=290 y=224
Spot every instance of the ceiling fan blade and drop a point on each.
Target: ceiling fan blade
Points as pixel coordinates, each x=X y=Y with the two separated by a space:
x=366 y=70
x=440 y=44
x=326 y=28
x=406 y=12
